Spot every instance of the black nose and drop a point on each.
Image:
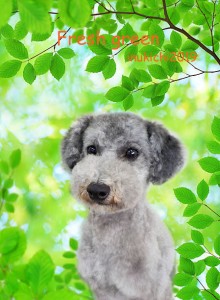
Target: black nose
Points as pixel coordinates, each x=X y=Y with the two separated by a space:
x=98 y=191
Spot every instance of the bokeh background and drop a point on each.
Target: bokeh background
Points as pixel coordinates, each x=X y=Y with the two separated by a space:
x=35 y=118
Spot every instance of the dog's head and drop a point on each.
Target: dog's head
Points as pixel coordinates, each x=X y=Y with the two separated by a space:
x=113 y=156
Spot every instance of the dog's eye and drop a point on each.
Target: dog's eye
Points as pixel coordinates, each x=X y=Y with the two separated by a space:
x=132 y=153
x=91 y=150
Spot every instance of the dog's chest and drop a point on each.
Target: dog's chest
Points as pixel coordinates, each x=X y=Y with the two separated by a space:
x=105 y=249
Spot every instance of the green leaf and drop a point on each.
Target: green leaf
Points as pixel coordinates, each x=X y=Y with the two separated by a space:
x=217 y=245
x=64 y=294
x=69 y=254
x=7 y=31
x=12 y=197
x=197 y=237
x=141 y=75
x=188 y=292
x=15 y=158
x=68 y=277
x=210 y=164
x=191 y=209
x=182 y=279
x=212 y=261
x=127 y=83
x=24 y=292
x=8 y=183
x=4 y=167
x=189 y=3
x=34 y=14
x=6 y=10
x=42 y=63
x=38 y=37
x=194 y=30
x=117 y=94
x=131 y=50
x=40 y=271
x=127 y=32
x=99 y=48
x=149 y=91
x=209 y=295
x=17 y=252
x=29 y=73
x=157 y=100
x=128 y=102
x=162 y=88
x=69 y=266
x=214 y=147
x=215 y=127
x=124 y=5
x=97 y=63
x=157 y=32
x=185 y=195
x=110 y=69
x=149 y=50
x=74 y=13
x=9 y=239
x=174 y=15
x=10 y=68
x=157 y=71
x=57 y=68
x=9 y=207
x=66 y=53
x=189 y=46
x=175 y=39
x=203 y=190
x=212 y=278
x=79 y=286
x=199 y=267
x=201 y=221
x=73 y=244
x=20 y=31
x=190 y=250
x=187 y=266
x=16 y=49
x=215 y=179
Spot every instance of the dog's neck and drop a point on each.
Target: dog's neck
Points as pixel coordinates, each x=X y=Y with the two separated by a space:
x=121 y=216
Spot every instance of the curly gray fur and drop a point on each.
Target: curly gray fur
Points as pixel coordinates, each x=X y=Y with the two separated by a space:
x=125 y=252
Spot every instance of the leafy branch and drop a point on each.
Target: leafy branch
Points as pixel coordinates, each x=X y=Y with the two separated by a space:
x=195 y=257
x=104 y=61
x=43 y=284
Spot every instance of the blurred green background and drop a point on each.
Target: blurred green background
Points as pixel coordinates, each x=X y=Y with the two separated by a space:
x=35 y=118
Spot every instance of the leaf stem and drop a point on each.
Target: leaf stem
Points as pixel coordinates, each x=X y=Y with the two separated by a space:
x=53 y=46
x=184 y=32
x=210 y=209
x=207 y=251
x=206 y=289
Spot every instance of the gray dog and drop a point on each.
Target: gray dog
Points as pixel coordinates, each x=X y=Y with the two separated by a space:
x=126 y=252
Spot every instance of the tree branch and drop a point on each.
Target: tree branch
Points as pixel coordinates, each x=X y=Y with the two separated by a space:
x=212 y=27
x=132 y=6
x=110 y=5
x=204 y=15
x=53 y=46
x=211 y=209
x=184 y=32
x=101 y=4
x=193 y=75
x=128 y=13
x=206 y=289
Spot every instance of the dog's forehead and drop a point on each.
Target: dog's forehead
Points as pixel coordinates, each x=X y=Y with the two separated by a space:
x=116 y=128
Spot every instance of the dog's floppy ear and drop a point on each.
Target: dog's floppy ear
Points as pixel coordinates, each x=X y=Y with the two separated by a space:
x=166 y=153
x=72 y=143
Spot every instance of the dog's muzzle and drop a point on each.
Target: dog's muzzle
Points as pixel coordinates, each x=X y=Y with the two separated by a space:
x=98 y=192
